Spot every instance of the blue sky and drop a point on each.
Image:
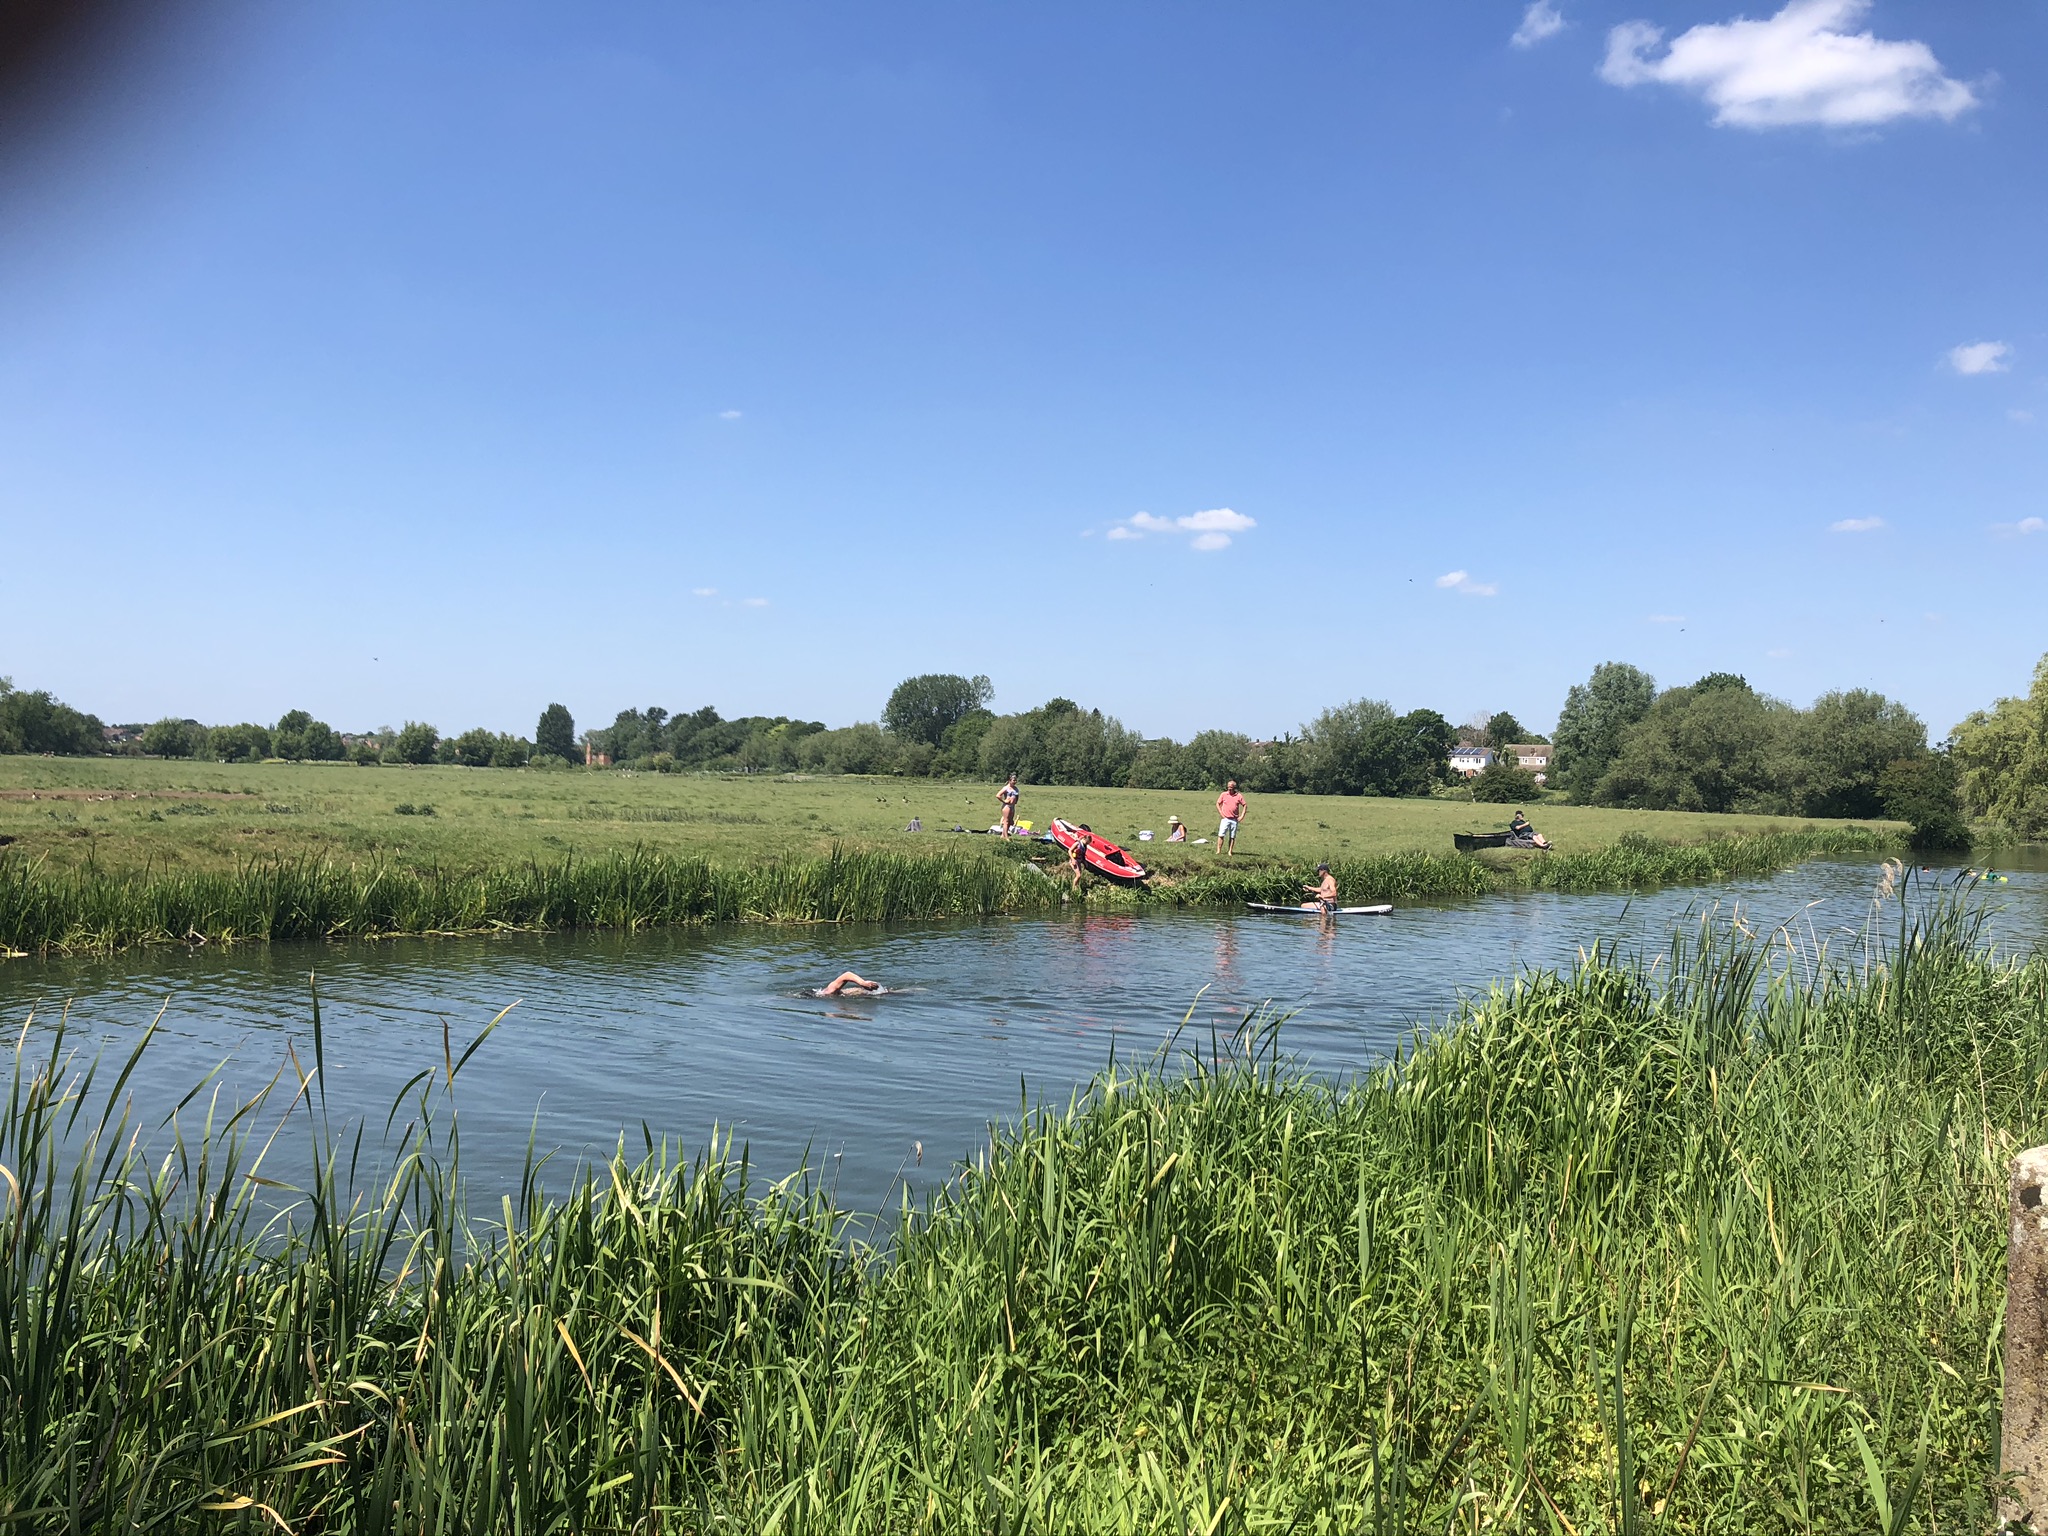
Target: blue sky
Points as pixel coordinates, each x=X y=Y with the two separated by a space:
x=436 y=361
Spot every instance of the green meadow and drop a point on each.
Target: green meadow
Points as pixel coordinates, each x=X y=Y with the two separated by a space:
x=128 y=814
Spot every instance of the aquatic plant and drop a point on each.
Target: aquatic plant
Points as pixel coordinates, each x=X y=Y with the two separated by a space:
x=1709 y=1244
x=45 y=910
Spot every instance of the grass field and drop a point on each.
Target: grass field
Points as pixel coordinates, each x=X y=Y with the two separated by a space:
x=1619 y=1251
x=219 y=816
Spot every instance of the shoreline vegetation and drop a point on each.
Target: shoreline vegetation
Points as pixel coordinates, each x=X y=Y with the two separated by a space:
x=1709 y=1244
x=47 y=910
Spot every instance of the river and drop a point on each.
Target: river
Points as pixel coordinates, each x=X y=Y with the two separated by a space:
x=681 y=1030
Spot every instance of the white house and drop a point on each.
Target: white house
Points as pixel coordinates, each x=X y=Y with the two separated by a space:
x=1470 y=760
x=1533 y=757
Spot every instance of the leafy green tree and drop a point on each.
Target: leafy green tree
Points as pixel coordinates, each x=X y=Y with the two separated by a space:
x=1339 y=745
x=244 y=743
x=298 y=737
x=2001 y=757
x=960 y=750
x=1500 y=782
x=1718 y=747
x=555 y=735
x=415 y=743
x=511 y=752
x=1166 y=764
x=474 y=749
x=1503 y=730
x=1844 y=746
x=172 y=738
x=35 y=721
x=1924 y=791
x=1219 y=757
x=925 y=708
x=1597 y=714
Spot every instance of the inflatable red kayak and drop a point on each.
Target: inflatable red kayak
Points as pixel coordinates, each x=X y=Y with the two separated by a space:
x=1099 y=854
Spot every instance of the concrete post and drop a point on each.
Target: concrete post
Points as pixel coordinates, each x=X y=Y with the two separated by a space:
x=2023 y=1452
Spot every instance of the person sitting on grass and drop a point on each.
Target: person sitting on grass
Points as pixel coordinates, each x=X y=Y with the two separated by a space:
x=848 y=981
x=1178 y=830
x=1522 y=835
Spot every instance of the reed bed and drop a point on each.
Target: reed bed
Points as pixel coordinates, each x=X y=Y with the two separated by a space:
x=1709 y=1244
x=45 y=910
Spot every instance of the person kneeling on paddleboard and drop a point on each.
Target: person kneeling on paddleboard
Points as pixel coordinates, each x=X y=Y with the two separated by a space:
x=1324 y=891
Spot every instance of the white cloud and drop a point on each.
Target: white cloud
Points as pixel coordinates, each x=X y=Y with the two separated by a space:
x=1980 y=357
x=1801 y=66
x=728 y=415
x=753 y=602
x=1778 y=655
x=1856 y=525
x=704 y=591
x=1461 y=581
x=1540 y=22
x=1212 y=529
x=2023 y=527
x=1667 y=618
x=2018 y=415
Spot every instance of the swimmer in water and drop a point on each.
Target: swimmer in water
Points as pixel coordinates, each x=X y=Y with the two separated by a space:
x=848 y=981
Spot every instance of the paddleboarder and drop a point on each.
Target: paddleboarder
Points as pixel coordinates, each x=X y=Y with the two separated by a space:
x=1007 y=797
x=1323 y=893
x=1229 y=806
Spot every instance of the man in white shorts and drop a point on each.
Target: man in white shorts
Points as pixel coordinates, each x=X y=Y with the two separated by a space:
x=1230 y=806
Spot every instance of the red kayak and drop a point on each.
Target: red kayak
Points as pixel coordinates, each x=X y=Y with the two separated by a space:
x=1099 y=853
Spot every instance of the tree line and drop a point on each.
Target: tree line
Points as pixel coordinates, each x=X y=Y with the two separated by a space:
x=1715 y=744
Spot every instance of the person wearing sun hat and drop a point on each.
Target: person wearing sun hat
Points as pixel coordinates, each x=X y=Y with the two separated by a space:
x=1179 y=830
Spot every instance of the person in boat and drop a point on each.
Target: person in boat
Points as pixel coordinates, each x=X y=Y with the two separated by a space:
x=1007 y=798
x=848 y=981
x=1177 y=830
x=1323 y=894
x=1230 y=807
x=1522 y=835
x=1075 y=862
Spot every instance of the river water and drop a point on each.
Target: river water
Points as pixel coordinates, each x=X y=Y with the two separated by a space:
x=683 y=1030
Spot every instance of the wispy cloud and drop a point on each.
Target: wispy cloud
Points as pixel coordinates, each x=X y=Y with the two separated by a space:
x=753 y=602
x=1211 y=530
x=1461 y=581
x=704 y=591
x=1779 y=654
x=1856 y=525
x=1800 y=67
x=1667 y=618
x=1540 y=22
x=729 y=415
x=2018 y=415
x=1980 y=357
x=2022 y=528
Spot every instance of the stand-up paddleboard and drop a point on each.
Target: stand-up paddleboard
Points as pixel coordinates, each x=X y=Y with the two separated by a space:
x=1314 y=911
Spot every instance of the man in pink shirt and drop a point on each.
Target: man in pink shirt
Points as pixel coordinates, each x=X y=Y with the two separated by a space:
x=1230 y=806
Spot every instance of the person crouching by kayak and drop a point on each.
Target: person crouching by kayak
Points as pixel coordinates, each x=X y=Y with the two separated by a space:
x=1229 y=806
x=1074 y=860
x=1323 y=894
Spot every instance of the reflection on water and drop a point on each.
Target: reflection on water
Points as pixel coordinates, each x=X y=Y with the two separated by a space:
x=686 y=1029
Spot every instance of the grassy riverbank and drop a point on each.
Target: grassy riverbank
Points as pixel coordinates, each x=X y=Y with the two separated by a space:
x=1682 y=1255
x=121 y=814
x=58 y=910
